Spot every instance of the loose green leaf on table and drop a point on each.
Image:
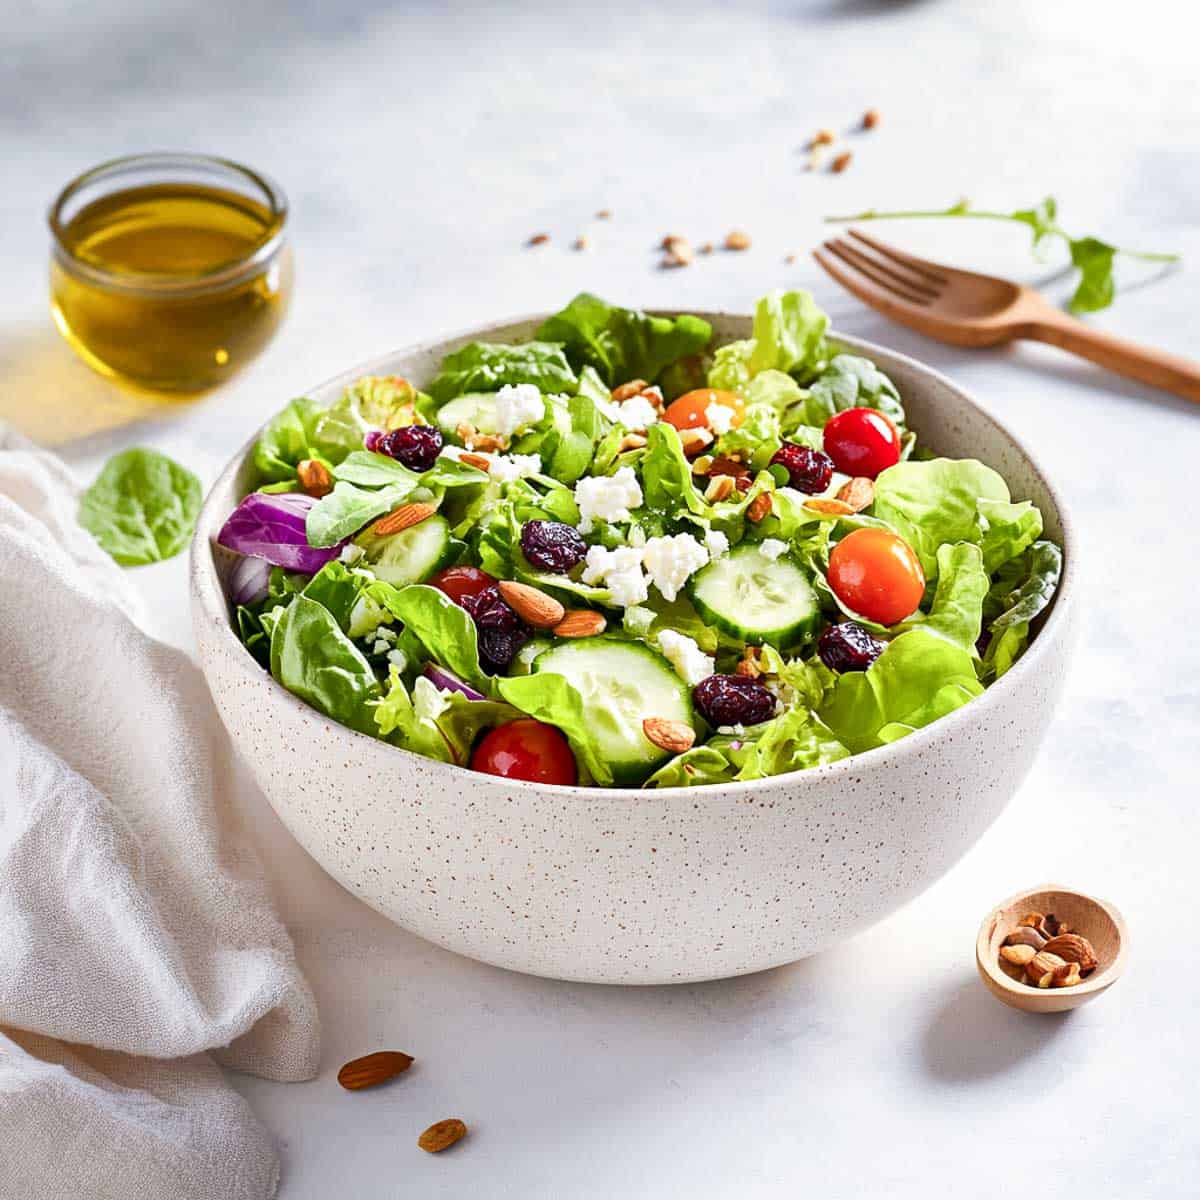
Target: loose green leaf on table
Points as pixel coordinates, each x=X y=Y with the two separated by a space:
x=142 y=507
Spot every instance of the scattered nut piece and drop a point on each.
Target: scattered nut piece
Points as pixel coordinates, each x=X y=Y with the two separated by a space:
x=603 y=214
x=487 y=443
x=442 y=1136
x=532 y=605
x=632 y=441
x=815 y=158
x=674 y=736
x=476 y=460
x=314 y=477
x=538 y=239
x=1047 y=924
x=669 y=240
x=580 y=243
x=465 y=432
x=823 y=137
x=737 y=239
x=870 y=118
x=859 y=493
x=580 y=622
x=1018 y=955
x=702 y=465
x=1025 y=936
x=720 y=487
x=1075 y=949
x=840 y=163
x=373 y=1069
x=1065 y=976
x=627 y=391
x=759 y=508
x=694 y=440
x=728 y=465
x=404 y=517
x=706 y=247
x=789 y=259
x=1041 y=967
x=744 y=483
x=679 y=253
x=828 y=507
x=750 y=664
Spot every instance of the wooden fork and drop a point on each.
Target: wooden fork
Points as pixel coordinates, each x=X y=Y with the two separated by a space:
x=967 y=309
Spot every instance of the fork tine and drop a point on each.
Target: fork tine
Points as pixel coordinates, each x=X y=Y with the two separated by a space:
x=885 y=300
x=869 y=264
x=934 y=272
x=878 y=275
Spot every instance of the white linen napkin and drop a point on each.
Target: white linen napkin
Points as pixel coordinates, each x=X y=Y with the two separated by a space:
x=135 y=923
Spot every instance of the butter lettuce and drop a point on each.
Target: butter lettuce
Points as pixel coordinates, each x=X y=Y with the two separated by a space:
x=550 y=698
x=956 y=612
x=621 y=344
x=789 y=336
x=851 y=382
x=488 y=366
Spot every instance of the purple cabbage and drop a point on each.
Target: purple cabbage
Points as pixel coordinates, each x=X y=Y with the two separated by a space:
x=447 y=681
x=271 y=527
x=249 y=580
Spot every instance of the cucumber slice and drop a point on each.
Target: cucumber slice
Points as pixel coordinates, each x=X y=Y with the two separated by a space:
x=621 y=684
x=408 y=556
x=757 y=598
x=522 y=663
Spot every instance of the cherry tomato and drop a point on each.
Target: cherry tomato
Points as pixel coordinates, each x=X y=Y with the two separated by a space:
x=688 y=411
x=458 y=582
x=877 y=574
x=862 y=441
x=526 y=749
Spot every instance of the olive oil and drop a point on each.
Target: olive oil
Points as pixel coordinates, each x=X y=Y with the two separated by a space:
x=171 y=286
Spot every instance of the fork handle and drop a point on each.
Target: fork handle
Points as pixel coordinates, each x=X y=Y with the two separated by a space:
x=1170 y=372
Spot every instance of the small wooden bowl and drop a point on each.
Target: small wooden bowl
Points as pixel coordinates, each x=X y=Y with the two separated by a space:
x=1096 y=920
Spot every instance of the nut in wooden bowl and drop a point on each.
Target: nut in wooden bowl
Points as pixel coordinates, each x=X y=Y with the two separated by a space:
x=1086 y=935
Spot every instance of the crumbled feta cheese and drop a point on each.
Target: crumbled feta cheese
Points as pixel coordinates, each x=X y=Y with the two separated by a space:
x=732 y=730
x=385 y=633
x=429 y=702
x=716 y=543
x=607 y=497
x=682 y=652
x=398 y=659
x=637 y=620
x=350 y=554
x=517 y=407
x=620 y=570
x=672 y=560
x=637 y=414
x=772 y=548
x=504 y=468
x=719 y=418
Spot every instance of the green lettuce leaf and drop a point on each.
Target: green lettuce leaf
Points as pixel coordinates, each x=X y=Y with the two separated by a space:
x=372 y=402
x=701 y=764
x=852 y=382
x=488 y=366
x=919 y=677
x=287 y=439
x=142 y=507
x=315 y=660
x=345 y=510
x=621 y=344
x=956 y=612
x=1008 y=530
x=549 y=697
x=789 y=336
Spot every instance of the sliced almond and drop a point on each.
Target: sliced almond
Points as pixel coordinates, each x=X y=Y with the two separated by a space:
x=632 y=441
x=580 y=622
x=759 y=508
x=373 y=1069
x=478 y=461
x=442 y=1136
x=720 y=487
x=840 y=163
x=725 y=465
x=314 y=477
x=465 y=431
x=737 y=239
x=486 y=443
x=702 y=465
x=859 y=493
x=694 y=440
x=679 y=253
x=532 y=605
x=833 y=508
x=749 y=665
x=404 y=517
x=627 y=391
x=672 y=736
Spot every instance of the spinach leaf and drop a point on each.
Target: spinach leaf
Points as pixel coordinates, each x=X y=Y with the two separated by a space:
x=345 y=510
x=621 y=344
x=142 y=507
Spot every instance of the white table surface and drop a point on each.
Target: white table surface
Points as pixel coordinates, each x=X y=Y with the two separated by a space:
x=420 y=147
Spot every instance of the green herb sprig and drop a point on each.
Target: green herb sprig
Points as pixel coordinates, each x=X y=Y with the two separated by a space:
x=1092 y=257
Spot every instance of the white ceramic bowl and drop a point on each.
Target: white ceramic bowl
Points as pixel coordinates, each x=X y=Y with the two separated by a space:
x=628 y=886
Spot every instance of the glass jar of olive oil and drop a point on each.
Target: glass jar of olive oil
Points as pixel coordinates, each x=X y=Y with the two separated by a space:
x=169 y=271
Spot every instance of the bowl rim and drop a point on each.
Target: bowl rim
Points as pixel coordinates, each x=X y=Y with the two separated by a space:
x=207 y=593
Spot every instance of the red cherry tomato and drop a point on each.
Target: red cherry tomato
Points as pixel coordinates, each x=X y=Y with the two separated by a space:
x=689 y=410
x=862 y=441
x=526 y=749
x=877 y=574
x=458 y=582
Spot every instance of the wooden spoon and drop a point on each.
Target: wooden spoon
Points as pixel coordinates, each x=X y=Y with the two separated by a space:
x=969 y=309
x=1094 y=919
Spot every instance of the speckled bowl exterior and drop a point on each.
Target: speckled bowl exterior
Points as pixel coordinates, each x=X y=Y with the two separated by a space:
x=628 y=886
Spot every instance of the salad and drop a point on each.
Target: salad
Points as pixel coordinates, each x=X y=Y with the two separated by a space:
x=617 y=555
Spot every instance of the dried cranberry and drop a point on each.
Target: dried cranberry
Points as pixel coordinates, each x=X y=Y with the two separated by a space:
x=552 y=546
x=808 y=470
x=501 y=632
x=733 y=700
x=848 y=647
x=371 y=440
x=416 y=446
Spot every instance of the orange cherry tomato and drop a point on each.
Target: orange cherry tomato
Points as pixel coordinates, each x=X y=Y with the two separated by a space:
x=688 y=411
x=877 y=574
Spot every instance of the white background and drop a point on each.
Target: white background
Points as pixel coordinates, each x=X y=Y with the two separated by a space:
x=420 y=146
